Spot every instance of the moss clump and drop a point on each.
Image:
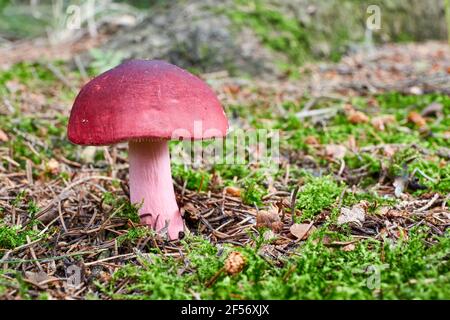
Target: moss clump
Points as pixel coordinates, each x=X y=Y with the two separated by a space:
x=318 y=194
x=121 y=207
x=14 y=236
x=133 y=235
x=408 y=269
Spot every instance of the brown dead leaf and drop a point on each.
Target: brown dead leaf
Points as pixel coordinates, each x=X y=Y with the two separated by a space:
x=381 y=122
x=39 y=278
x=383 y=210
x=231 y=89
x=301 y=230
x=389 y=151
x=270 y=219
x=52 y=166
x=349 y=247
x=335 y=151
x=190 y=210
x=434 y=108
x=356 y=215
x=417 y=119
x=3 y=136
x=395 y=213
x=356 y=117
x=311 y=140
x=277 y=226
x=390 y=212
x=233 y=191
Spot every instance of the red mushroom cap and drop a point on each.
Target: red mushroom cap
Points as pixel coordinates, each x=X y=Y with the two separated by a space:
x=145 y=99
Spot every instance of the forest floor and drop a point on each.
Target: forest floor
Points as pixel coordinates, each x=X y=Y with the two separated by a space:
x=358 y=207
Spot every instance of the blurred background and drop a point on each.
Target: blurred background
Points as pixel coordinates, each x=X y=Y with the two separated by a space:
x=255 y=37
x=356 y=95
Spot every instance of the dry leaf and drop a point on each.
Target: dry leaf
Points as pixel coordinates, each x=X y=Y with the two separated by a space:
x=3 y=136
x=38 y=277
x=269 y=219
x=231 y=89
x=357 y=117
x=417 y=119
x=191 y=210
x=311 y=140
x=434 y=108
x=357 y=214
x=383 y=210
x=301 y=230
x=389 y=151
x=380 y=122
x=277 y=226
x=52 y=166
x=335 y=151
x=395 y=213
x=348 y=247
x=233 y=191
x=390 y=213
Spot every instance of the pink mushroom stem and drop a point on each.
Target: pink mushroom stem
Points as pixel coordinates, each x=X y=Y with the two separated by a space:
x=151 y=184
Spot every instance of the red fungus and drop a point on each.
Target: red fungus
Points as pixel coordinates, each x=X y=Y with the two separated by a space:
x=147 y=103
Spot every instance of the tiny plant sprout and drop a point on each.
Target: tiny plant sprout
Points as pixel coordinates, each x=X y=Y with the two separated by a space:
x=147 y=103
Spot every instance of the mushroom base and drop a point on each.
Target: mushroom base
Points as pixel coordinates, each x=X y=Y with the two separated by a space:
x=151 y=186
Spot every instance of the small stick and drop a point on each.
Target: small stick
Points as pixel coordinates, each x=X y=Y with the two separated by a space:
x=61 y=218
x=127 y=255
x=215 y=277
x=293 y=200
x=428 y=205
x=33 y=254
x=29 y=170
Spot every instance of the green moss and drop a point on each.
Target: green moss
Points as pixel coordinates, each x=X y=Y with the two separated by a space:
x=277 y=31
x=194 y=179
x=253 y=193
x=122 y=207
x=133 y=235
x=409 y=269
x=14 y=236
x=317 y=194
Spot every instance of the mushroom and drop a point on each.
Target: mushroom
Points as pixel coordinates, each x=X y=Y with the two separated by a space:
x=147 y=103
